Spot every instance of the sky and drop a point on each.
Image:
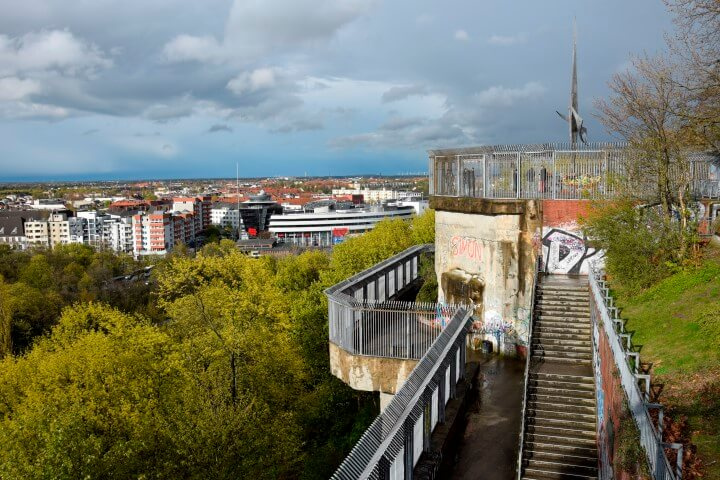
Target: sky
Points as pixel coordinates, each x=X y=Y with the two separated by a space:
x=103 y=89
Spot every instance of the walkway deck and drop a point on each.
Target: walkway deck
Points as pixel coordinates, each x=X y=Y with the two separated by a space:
x=490 y=445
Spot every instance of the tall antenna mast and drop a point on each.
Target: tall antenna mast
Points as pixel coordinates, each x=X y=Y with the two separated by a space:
x=237 y=195
x=575 y=121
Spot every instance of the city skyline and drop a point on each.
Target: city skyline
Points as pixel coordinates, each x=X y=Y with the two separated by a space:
x=289 y=88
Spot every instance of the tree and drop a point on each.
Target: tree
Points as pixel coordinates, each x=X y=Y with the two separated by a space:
x=696 y=45
x=645 y=109
x=423 y=227
x=5 y=320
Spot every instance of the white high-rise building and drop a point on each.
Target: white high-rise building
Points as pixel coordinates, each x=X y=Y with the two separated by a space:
x=226 y=215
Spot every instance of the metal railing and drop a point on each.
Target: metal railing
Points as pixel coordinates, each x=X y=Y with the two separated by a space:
x=392 y=445
x=392 y=329
x=549 y=171
x=365 y=320
x=630 y=377
x=536 y=278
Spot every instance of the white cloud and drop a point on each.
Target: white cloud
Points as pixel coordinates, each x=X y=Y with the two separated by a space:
x=13 y=88
x=507 y=40
x=255 y=27
x=462 y=35
x=259 y=79
x=50 y=50
x=189 y=48
x=499 y=96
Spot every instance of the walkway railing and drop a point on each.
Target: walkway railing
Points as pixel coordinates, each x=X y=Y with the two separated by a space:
x=605 y=319
x=365 y=320
x=549 y=171
x=392 y=445
x=536 y=278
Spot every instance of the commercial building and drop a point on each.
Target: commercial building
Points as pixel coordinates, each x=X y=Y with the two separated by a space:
x=376 y=196
x=257 y=211
x=325 y=226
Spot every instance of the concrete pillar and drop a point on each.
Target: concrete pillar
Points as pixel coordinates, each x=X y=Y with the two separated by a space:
x=385 y=399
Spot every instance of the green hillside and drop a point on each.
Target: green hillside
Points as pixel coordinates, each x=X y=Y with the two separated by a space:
x=676 y=325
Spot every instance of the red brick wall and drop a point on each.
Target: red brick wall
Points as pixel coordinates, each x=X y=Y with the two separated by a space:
x=562 y=212
x=610 y=399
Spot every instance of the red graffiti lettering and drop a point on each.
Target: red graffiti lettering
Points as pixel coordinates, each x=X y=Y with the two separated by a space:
x=466 y=247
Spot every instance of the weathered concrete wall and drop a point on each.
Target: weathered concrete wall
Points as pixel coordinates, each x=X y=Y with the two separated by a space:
x=485 y=253
x=370 y=374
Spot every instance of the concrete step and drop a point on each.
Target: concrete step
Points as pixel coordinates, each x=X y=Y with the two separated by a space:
x=564 y=353
x=532 y=474
x=560 y=377
x=560 y=400
x=562 y=383
x=569 y=458
x=562 y=302
x=550 y=291
x=561 y=413
x=563 y=287
x=561 y=392
x=564 y=360
x=565 y=329
x=563 y=342
x=561 y=313
x=543 y=447
x=570 y=422
x=559 y=437
x=559 y=336
x=562 y=409
x=557 y=470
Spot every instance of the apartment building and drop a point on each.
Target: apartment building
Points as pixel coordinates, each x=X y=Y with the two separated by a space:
x=64 y=230
x=37 y=233
x=153 y=233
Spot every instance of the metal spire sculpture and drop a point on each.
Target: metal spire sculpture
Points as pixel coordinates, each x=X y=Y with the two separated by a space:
x=573 y=118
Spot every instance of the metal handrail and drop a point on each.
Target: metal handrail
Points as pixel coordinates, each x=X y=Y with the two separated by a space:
x=384 y=438
x=650 y=436
x=538 y=269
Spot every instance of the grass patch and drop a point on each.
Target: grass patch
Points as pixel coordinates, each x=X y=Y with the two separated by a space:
x=676 y=324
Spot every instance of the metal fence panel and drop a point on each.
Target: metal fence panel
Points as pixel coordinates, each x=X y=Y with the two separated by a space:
x=559 y=171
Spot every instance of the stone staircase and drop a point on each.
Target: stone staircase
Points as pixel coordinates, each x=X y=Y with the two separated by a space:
x=560 y=423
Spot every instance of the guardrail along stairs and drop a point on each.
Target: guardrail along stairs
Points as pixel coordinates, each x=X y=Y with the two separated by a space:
x=560 y=423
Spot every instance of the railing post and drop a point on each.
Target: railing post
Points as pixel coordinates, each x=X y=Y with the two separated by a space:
x=384 y=468
x=441 y=395
x=517 y=176
x=407 y=335
x=427 y=420
x=554 y=180
x=459 y=176
x=453 y=375
x=360 y=329
x=409 y=447
x=484 y=177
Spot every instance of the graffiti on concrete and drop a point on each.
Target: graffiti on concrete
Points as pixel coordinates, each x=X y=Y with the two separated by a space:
x=494 y=325
x=522 y=325
x=467 y=247
x=566 y=252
